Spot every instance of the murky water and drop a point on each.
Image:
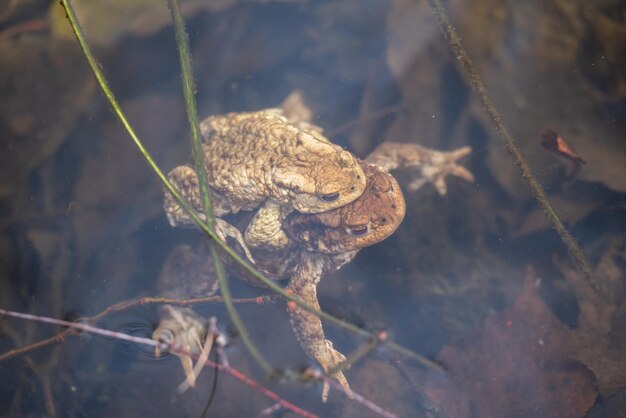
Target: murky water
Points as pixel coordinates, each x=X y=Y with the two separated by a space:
x=476 y=280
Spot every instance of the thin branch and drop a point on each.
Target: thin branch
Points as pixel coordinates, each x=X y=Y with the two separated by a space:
x=309 y=373
x=85 y=327
x=536 y=189
x=149 y=300
x=36 y=25
x=165 y=347
x=120 y=306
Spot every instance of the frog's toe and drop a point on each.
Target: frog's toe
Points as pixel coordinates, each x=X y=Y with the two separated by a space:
x=332 y=359
x=440 y=165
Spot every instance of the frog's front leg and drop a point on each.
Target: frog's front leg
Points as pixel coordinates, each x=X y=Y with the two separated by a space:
x=265 y=229
x=308 y=327
x=433 y=166
x=185 y=180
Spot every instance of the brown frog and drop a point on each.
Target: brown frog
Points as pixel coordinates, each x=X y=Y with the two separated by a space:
x=311 y=245
x=318 y=244
x=261 y=161
x=322 y=243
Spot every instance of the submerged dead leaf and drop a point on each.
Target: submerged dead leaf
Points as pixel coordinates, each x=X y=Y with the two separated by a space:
x=554 y=142
x=600 y=337
x=522 y=364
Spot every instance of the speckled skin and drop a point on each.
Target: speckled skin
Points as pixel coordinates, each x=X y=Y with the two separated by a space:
x=261 y=160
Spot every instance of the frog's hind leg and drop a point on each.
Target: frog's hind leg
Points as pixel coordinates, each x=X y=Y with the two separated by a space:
x=185 y=181
x=265 y=228
x=308 y=327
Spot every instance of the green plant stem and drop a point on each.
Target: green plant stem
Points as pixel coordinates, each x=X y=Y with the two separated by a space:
x=535 y=187
x=184 y=56
x=202 y=225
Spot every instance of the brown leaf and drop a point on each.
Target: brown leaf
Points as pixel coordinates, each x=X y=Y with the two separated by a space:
x=554 y=142
x=522 y=364
x=599 y=339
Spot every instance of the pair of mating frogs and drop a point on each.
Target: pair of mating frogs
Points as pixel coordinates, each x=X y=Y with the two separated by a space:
x=314 y=207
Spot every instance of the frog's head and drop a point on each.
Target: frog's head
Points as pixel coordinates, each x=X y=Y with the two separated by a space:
x=371 y=218
x=180 y=328
x=183 y=329
x=323 y=177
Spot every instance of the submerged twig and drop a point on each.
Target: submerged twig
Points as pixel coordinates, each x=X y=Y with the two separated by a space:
x=147 y=341
x=310 y=373
x=120 y=306
x=84 y=327
x=536 y=189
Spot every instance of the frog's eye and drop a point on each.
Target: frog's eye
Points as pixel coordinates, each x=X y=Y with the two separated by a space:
x=330 y=197
x=358 y=230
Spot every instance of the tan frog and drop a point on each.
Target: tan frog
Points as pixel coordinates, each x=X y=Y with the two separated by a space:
x=260 y=160
x=309 y=246
x=321 y=243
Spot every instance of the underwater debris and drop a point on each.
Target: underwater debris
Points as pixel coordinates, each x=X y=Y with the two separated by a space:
x=554 y=142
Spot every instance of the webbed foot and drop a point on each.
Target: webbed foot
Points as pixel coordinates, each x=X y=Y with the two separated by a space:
x=433 y=166
x=332 y=359
x=309 y=331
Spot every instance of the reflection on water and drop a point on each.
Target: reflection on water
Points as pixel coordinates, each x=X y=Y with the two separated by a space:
x=476 y=280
